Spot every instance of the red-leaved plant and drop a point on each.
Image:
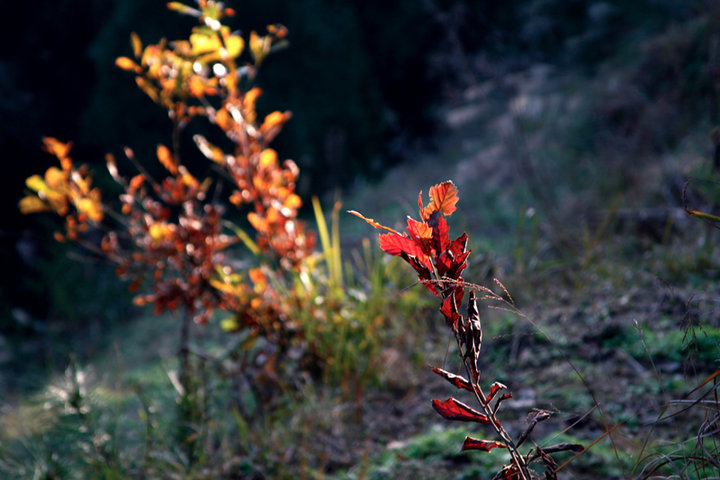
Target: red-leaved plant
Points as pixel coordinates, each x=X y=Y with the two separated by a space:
x=440 y=263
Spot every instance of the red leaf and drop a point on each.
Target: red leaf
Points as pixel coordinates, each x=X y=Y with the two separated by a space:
x=456 y=380
x=423 y=268
x=494 y=389
x=395 y=244
x=440 y=232
x=450 y=311
x=452 y=409
x=443 y=198
x=484 y=445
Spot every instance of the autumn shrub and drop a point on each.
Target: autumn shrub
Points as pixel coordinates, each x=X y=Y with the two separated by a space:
x=170 y=238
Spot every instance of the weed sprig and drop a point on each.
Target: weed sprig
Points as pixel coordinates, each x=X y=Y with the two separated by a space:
x=440 y=263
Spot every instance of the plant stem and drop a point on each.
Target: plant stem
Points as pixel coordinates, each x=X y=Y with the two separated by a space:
x=186 y=409
x=517 y=458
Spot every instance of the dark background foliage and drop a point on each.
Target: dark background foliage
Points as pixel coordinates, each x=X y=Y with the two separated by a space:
x=363 y=78
x=356 y=77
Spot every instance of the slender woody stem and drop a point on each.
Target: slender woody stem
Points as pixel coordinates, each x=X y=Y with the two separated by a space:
x=517 y=458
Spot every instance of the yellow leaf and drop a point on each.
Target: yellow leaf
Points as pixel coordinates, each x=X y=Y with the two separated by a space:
x=268 y=158
x=204 y=44
x=222 y=286
x=36 y=183
x=293 y=201
x=234 y=45
x=229 y=324
x=89 y=207
x=136 y=44
x=189 y=180
x=259 y=47
x=160 y=231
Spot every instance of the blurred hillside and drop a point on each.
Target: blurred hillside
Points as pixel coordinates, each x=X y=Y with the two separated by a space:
x=586 y=102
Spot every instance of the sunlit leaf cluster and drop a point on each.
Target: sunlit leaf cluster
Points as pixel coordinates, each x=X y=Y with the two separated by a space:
x=66 y=191
x=169 y=238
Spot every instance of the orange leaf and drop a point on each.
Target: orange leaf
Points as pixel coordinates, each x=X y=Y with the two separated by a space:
x=136 y=44
x=166 y=159
x=443 y=198
x=197 y=86
x=259 y=223
x=91 y=208
x=136 y=182
x=224 y=120
x=55 y=178
x=274 y=119
x=293 y=201
x=373 y=222
x=32 y=204
x=127 y=64
x=420 y=231
x=56 y=147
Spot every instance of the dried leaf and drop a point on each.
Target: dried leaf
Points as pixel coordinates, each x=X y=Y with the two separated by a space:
x=484 y=445
x=456 y=380
x=452 y=409
x=494 y=389
x=373 y=222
